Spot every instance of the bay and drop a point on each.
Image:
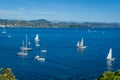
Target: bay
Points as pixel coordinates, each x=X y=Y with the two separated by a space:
x=64 y=61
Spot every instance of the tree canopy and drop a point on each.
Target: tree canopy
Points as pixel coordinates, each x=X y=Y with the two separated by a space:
x=6 y=74
x=110 y=75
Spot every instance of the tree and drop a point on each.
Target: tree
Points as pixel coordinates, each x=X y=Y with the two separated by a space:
x=6 y=74
x=110 y=75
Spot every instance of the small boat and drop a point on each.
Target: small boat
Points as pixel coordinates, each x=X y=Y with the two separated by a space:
x=26 y=48
x=37 y=44
x=80 y=44
x=39 y=58
x=88 y=30
x=43 y=50
x=109 y=56
x=9 y=36
x=22 y=53
x=4 y=31
x=37 y=40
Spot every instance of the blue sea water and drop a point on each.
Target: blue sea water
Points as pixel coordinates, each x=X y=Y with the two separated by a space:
x=63 y=60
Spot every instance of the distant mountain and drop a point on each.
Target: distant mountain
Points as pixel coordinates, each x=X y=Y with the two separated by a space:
x=40 y=20
x=43 y=23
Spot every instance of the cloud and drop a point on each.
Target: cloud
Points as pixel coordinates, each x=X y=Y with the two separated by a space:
x=24 y=14
x=46 y=12
x=12 y=14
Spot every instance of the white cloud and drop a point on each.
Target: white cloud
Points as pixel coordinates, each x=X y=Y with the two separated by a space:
x=46 y=12
x=24 y=14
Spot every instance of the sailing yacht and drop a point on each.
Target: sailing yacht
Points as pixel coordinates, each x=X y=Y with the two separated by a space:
x=22 y=53
x=4 y=31
x=80 y=44
x=37 y=57
x=37 y=40
x=43 y=50
x=41 y=58
x=109 y=56
x=26 y=48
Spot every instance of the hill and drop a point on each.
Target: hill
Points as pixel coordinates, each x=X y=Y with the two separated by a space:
x=42 y=23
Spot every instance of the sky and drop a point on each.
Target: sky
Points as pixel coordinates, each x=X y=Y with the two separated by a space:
x=61 y=10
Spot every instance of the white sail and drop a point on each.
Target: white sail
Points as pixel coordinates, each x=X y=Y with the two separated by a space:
x=37 y=37
x=81 y=43
x=23 y=44
x=22 y=53
x=110 y=54
x=78 y=43
x=26 y=41
x=37 y=40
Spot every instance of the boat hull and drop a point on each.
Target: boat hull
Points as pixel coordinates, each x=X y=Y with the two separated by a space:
x=39 y=58
x=111 y=59
x=82 y=47
x=43 y=51
x=25 y=49
x=22 y=54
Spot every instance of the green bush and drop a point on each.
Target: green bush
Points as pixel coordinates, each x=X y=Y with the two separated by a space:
x=6 y=74
x=110 y=75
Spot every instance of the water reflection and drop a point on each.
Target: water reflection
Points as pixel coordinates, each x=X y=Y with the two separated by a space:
x=81 y=50
x=109 y=65
x=37 y=44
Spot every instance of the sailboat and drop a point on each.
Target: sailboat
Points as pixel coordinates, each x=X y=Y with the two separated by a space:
x=4 y=30
x=37 y=40
x=23 y=45
x=109 y=56
x=80 y=44
x=37 y=57
x=26 y=48
x=40 y=58
x=43 y=50
x=9 y=36
x=22 y=53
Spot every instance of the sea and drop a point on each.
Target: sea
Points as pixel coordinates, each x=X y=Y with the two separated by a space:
x=63 y=60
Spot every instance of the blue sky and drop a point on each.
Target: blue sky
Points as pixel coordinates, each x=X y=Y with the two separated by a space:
x=61 y=10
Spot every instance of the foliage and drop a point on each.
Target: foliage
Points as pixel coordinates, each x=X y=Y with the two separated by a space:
x=110 y=75
x=6 y=74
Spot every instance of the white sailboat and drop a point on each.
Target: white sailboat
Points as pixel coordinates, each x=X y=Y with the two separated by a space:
x=40 y=58
x=23 y=45
x=37 y=57
x=22 y=53
x=43 y=50
x=37 y=40
x=80 y=44
x=109 y=56
x=9 y=36
x=4 y=31
x=26 y=48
